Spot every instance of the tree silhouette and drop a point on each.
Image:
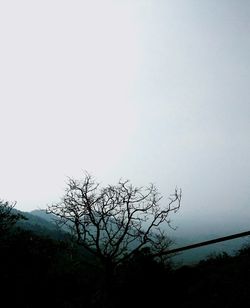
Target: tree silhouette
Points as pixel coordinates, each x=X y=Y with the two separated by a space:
x=115 y=222
x=8 y=217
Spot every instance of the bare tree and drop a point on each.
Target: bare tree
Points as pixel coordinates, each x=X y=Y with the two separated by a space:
x=115 y=222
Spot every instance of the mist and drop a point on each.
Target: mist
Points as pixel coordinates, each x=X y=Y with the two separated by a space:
x=151 y=91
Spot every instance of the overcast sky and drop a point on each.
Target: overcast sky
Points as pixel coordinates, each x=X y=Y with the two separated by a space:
x=151 y=91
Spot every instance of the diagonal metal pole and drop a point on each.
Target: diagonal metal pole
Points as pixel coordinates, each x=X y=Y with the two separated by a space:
x=200 y=244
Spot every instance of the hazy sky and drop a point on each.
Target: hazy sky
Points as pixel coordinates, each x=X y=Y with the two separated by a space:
x=153 y=91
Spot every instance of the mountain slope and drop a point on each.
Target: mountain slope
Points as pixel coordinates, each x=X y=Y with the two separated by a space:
x=38 y=222
x=43 y=223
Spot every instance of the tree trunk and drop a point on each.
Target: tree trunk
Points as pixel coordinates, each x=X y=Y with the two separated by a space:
x=109 y=280
x=104 y=295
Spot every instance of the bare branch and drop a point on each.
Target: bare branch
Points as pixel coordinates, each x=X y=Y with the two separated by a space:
x=116 y=221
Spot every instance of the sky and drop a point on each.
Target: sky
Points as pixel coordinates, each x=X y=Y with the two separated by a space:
x=155 y=91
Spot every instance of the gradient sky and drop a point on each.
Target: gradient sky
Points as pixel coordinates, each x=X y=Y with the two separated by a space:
x=151 y=91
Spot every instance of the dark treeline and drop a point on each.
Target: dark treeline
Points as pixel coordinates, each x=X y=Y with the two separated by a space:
x=38 y=271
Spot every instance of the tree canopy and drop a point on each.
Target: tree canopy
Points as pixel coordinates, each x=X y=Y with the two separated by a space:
x=8 y=216
x=115 y=222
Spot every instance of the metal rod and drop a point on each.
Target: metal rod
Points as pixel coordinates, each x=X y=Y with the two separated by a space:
x=217 y=240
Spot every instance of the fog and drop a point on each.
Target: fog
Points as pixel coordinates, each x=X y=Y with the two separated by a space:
x=151 y=91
